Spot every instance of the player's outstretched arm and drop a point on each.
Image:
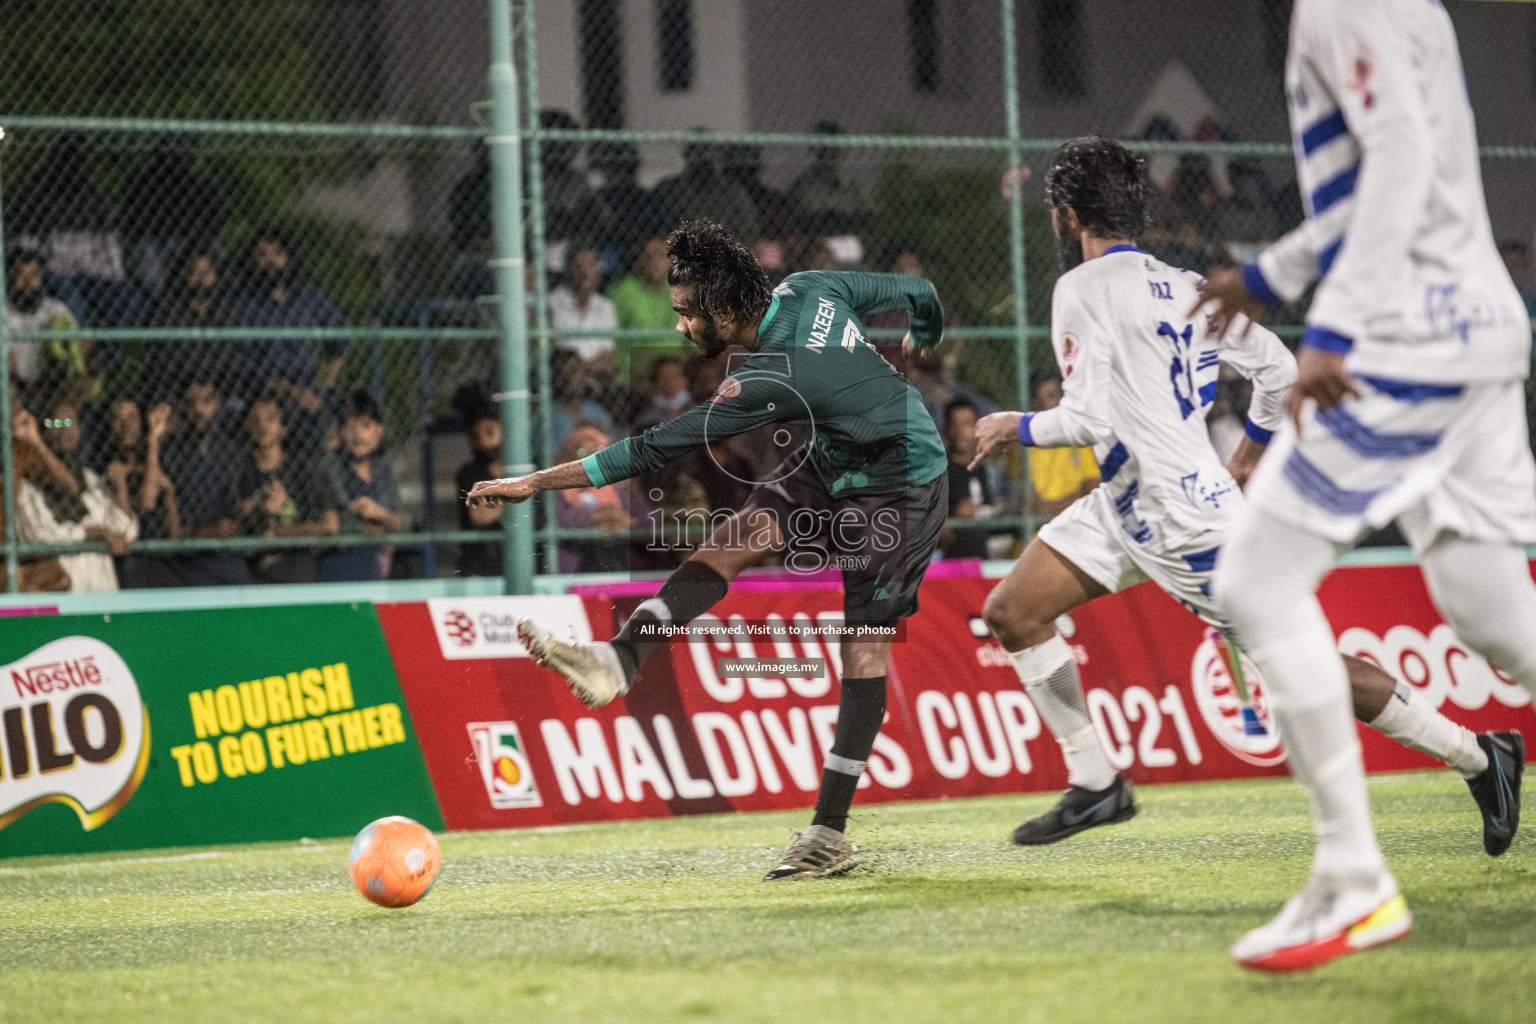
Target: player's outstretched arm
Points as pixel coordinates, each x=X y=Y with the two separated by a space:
x=514 y=490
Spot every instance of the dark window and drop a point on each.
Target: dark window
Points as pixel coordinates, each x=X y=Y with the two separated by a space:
x=1063 y=50
x=674 y=44
x=923 y=43
x=602 y=64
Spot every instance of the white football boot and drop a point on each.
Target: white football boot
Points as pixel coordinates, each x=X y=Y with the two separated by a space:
x=592 y=669
x=1332 y=916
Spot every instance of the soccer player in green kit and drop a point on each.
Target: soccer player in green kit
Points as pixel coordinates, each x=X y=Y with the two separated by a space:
x=870 y=487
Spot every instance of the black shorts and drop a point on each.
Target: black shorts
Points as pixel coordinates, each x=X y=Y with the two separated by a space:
x=881 y=542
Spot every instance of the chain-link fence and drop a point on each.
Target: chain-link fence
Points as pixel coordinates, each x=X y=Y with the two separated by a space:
x=253 y=252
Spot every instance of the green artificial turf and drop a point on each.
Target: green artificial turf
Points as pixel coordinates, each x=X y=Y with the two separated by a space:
x=667 y=920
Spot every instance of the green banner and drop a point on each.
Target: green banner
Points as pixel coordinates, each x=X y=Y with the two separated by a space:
x=186 y=728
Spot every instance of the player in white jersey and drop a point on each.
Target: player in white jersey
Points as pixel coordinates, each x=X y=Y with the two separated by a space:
x=1408 y=405
x=1138 y=377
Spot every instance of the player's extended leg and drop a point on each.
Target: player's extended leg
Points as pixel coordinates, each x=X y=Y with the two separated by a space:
x=1397 y=711
x=1266 y=580
x=824 y=849
x=1491 y=763
x=1485 y=592
x=599 y=672
x=1022 y=612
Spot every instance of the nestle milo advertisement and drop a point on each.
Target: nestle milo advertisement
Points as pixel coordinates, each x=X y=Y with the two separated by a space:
x=155 y=729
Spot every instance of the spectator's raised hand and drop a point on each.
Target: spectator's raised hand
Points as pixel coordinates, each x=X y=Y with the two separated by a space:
x=24 y=428
x=159 y=421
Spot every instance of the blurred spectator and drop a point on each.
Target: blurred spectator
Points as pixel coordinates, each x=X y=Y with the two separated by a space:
x=1517 y=260
x=282 y=494
x=576 y=305
x=35 y=573
x=59 y=211
x=970 y=493
x=170 y=209
x=482 y=428
x=701 y=192
x=742 y=164
x=638 y=214
x=641 y=300
x=572 y=210
x=1059 y=476
x=605 y=508
x=368 y=486
x=667 y=395
x=571 y=406
x=829 y=202
x=202 y=458
x=194 y=298
x=135 y=458
x=278 y=297
x=59 y=366
x=67 y=503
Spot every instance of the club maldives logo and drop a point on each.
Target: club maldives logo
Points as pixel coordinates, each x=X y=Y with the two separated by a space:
x=459 y=627
x=1222 y=708
x=486 y=627
x=75 y=731
x=504 y=766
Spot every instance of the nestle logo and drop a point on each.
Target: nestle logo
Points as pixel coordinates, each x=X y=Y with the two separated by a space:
x=56 y=676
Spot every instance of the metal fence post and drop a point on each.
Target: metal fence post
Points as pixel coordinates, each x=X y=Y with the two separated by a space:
x=550 y=537
x=1016 y=224
x=505 y=142
x=8 y=477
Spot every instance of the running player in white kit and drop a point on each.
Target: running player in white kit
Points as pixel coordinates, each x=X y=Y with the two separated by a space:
x=1139 y=375
x=1408 y=406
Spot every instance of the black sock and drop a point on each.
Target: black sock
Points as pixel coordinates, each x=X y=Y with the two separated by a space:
x=860 y=710
x=692 y=589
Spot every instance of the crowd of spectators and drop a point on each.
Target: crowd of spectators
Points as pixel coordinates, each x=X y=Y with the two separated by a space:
x=186 y=439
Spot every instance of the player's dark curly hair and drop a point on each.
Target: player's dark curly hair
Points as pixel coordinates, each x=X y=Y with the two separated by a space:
x=1105 y=183
x=725 y=276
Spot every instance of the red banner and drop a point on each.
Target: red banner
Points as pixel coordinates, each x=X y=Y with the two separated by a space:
x=508 y=746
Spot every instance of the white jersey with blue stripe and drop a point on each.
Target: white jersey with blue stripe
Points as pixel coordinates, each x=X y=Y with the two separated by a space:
x=1138 y=379
x=1410 y=283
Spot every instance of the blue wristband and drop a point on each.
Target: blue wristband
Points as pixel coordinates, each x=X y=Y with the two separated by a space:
x=1253 y=280
x=1328 y=341
x=1024 y=435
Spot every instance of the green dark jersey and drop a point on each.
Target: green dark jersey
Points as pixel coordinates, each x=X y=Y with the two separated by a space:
x=812 y=364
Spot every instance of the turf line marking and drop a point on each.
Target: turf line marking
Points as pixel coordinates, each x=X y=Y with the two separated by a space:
x=206 y=855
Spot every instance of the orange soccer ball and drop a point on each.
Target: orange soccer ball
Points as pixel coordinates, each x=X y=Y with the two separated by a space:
x=394 y=861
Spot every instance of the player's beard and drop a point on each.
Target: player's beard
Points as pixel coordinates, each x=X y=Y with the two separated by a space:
x=710 y=344
x=1070 y=251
